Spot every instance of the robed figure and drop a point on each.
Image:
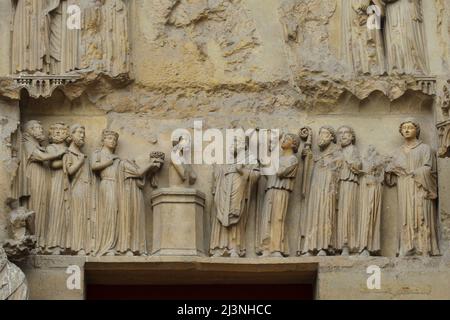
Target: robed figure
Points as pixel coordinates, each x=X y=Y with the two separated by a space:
x=320 y=235
x=414 y=168
x=370 y=203
x=362 y=46
x=272 y=237
x=233 y=190
x=41 y=40
x=405 y=37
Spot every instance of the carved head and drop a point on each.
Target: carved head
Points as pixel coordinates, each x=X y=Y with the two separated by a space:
x=59 y=132
x=34 y=128
x=410 y=129
x=290 y=141
x=77 y=135
x=110 y=139
x=347 y=136
x=327 y=135
x=3 y=258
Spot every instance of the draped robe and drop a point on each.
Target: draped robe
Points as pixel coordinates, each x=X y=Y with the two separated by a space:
x=232 y=195
x=405 y=37
x=417 y=194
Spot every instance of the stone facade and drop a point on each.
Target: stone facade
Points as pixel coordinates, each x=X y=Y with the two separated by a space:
x=143 y=69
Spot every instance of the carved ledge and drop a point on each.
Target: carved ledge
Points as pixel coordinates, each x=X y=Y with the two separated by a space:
x=427 y=84
x=43 y=85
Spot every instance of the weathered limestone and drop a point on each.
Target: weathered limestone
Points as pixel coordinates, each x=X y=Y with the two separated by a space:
x=144 y=69
x=14 y=285
x=178 y=222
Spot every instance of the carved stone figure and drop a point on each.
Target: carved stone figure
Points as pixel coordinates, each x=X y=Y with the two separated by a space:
x=370 y=202
x=180 y=163
x=63 y=47
x=120 y=223
x=322 y=201
x=34 y=178
x=80 y=193
x=131 y=230
x=362 y=47
x=272 y=237
x=115 y=27
x=348 y=192
x=233 y=192
x=58 y=207
x=13 y=284
x=22 y=242
x=41 y=40
x=414 y=167
x=106 y=164
x=405 y=37
x=29 y=39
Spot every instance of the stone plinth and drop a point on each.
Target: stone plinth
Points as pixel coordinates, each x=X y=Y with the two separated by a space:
x=178 y=222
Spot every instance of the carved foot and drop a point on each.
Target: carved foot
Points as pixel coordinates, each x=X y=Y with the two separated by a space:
x=277 y=254
x=265 y=254
x=129 y=253
x=234 y=254
x=216 y=254
x=345 y=252
x=365 y=253
x=307 y=254
x=56 y=251
x=322 y=253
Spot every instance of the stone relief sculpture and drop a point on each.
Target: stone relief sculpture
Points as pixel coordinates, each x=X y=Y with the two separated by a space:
x=22 y=242
x=272 y=236
x=57 y=211
x=80 y=193
x=233 y=190
x=41 y=41
x=370 y=203
x=362 y=48
x=33 y=178
x=131 y=239
x=445 y=100
x=322 y=202
x=184 y=173
x=13 y=284
x=348 y=192
x=105 y=163
x=413 y=166
x=116 y=47
x=405 y=37
x=121 y=211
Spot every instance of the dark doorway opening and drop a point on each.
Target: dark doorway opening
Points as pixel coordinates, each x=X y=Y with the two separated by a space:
x=201 y=292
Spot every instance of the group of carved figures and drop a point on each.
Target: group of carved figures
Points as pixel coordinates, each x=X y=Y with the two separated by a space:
x=82 y=206
x=395 y=46
x=42 y=40
x=343 y=198
x=96 y=206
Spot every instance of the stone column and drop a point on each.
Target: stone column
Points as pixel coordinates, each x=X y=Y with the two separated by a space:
x=178 y=222
x=9 y=122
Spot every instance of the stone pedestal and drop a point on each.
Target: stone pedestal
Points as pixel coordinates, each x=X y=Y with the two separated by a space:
x=178 y=222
